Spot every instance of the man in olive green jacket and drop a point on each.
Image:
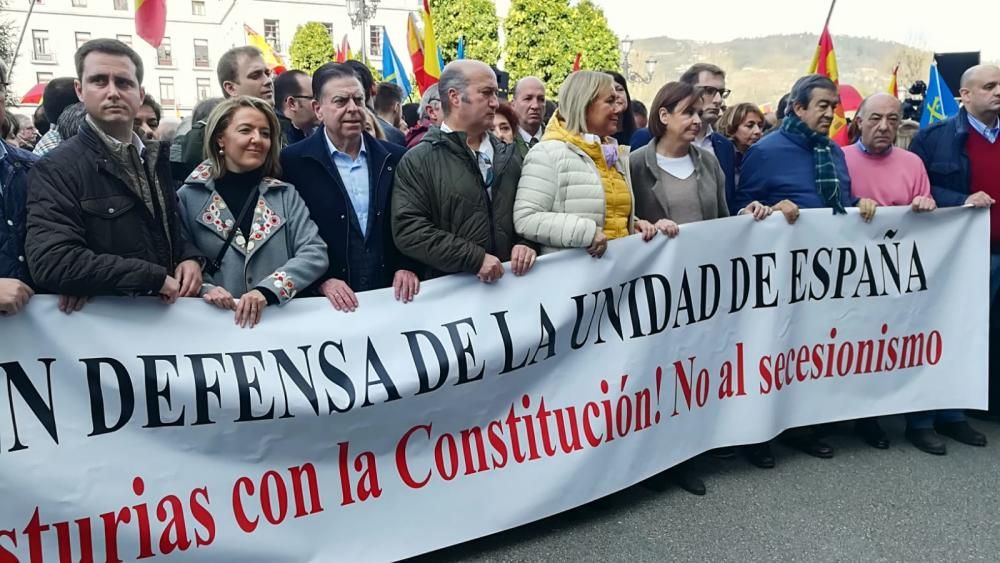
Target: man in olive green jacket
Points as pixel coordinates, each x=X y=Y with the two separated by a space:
x=452 y=206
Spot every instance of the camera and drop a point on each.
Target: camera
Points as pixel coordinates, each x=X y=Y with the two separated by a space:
x=914 y=102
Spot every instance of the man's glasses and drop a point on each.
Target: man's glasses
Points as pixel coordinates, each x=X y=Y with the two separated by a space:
x=711 y=91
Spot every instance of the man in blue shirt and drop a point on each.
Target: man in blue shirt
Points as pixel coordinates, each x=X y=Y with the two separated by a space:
x=346 y=177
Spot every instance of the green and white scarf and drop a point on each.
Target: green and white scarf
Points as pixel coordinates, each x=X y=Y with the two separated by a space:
x=827 y=183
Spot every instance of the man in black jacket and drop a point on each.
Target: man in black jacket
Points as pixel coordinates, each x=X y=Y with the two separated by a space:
x=293 y=104
x=346 y=178
x=102 y=215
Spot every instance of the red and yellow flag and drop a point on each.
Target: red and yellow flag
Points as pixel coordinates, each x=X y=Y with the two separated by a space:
x=344 y=52
x=825 y=62
x=432 y=66
x=576 y=62
x=893 y=86
x=415 y=46
x=151 y=20
x=271 y=59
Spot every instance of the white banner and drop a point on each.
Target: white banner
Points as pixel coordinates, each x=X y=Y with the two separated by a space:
x=134 y=429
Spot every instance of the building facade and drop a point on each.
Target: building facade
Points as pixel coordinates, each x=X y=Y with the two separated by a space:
x=182 y=71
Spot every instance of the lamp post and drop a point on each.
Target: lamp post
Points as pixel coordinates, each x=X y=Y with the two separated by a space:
x=360 y=12
x=630 y=75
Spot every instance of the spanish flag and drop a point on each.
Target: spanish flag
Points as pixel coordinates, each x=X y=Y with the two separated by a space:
x=151 y=20
x=432 y=64
x=271 y=59
x=893 y=86
x=825 y=62
x=415 y=46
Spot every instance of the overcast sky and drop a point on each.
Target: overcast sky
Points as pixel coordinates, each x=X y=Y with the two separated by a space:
x=966 y=25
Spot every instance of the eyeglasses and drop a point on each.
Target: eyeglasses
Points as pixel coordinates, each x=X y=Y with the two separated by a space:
x=302 y=97
x=711 y=91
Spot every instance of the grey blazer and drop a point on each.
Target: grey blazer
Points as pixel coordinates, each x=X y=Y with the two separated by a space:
x=283 y=252
x=648 y=185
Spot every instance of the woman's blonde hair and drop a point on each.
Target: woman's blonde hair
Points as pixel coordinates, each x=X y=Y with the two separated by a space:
x=578 y=91
x=222 y=116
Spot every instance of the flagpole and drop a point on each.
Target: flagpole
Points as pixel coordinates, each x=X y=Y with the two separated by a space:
x=829 y=14
x=20 y=38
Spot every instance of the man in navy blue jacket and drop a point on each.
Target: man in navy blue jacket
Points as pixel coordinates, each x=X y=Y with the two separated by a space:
x=15 y=163
x=345 y=177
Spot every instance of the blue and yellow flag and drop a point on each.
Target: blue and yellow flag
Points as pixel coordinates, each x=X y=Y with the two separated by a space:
x=392 y=68
x=939 y=103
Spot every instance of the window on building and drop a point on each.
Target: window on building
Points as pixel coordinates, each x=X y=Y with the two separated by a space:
x=79 y=3
x=121 y=5
x=198 y=7
x=375 y=41
x=41 y=48
x=201 y=53
x=43 y=77
x=165 y=53
x=272 y=33
x=329 y=28
x=166 y=91
x=204 y=88
x=81 y=38
x=126 y=39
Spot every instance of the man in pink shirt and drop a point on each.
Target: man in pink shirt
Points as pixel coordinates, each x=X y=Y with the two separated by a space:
x=892 y=176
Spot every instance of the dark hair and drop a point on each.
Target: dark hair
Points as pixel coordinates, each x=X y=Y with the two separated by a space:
x=59 y=94
x=508 y=112
x=624 y=134
x=670 y=95
x=734 y=116
x=364 y=74
x=550 y=109
x=411 y=114
x=692 y=74
x=639 y=108
x=71 y=120
x=803 y=88
x=386 y=95
x=285 y=85
x=782 y=106
x=9 y=127
x=204 y=109
x=108 y=47
x=228 y=69
x=328 y=72
x=151 y=102
x=41 y=122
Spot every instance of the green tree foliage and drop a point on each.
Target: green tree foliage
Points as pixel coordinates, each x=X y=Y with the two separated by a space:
x=594 y=38
x=311 y=47
x=8 y=37
x=540 y=41
x=476 y=20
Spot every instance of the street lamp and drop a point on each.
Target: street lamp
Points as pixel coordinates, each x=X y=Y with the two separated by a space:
x=630 y=76
x=360 y=12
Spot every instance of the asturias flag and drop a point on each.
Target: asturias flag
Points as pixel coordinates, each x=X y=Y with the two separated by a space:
x=825 y=62
x=939 y=103
x=392 y=67
x=151 y=20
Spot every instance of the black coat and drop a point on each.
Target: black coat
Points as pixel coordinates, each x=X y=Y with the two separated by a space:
x=13 y=197
x=89 y=233
x=363 y=262
x=942 y=148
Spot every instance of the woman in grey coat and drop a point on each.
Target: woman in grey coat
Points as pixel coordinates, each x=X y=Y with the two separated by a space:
x=233 y=201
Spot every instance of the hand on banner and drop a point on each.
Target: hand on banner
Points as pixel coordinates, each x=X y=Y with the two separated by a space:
x=788 y=209
x=171 y=288
x=188 y=274
x=14 y=295
x=758 y=210
x=867 y=208
x=71 y=303
x=923 y=204
x=406 y=285
x=667 y=227
x=249 y=308
x=491 y=270
x=522 y=258
x=340 y=294
x=599 y=245
x=980 y=199
x=221 y=298
x=645 y=228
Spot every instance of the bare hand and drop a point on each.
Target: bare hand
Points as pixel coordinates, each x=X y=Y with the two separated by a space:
x=405 y=285
x=188 y=274
x=980 y=199
x=923 y=204
x=170 y=290
x=71 y=303
x=249 y=308
x=646 y=228
x=599 y=245
x=867 y=208
x=522 y=258
x=14 y=295
x=491 y=270
x=788 y=209
x=667 y=227
x=221 y=298
x=340 y=294
x=758 y=210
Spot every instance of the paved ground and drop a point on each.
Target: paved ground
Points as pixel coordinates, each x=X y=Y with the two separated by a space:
x=863 y=505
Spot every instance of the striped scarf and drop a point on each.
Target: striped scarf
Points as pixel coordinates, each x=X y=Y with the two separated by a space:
x=827 y=183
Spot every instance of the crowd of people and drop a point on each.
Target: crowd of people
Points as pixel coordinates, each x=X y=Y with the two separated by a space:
x=329 y=185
